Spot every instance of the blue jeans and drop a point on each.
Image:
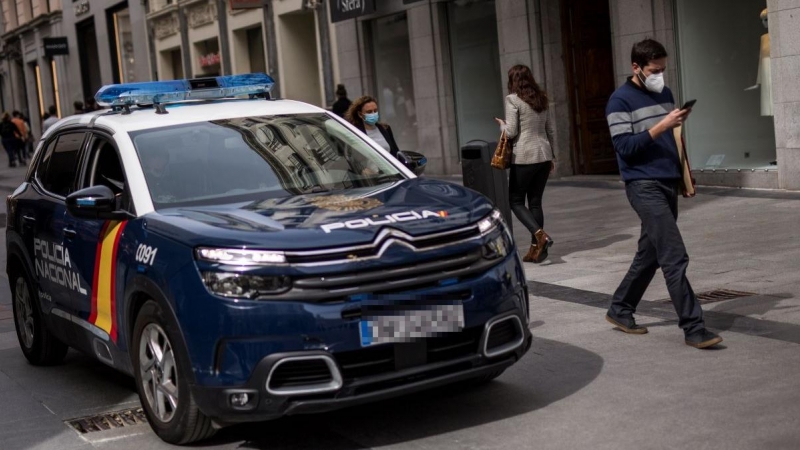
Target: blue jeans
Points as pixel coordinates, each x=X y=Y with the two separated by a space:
x=660 y=245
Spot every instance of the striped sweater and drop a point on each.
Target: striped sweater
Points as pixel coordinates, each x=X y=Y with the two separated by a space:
x=631 y=112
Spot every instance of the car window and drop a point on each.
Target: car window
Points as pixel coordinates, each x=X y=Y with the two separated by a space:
x=105 y=169
x=253 y=158
x=58 y=168
x=41 y=168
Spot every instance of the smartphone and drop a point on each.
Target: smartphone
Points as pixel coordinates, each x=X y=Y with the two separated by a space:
x=688 y=104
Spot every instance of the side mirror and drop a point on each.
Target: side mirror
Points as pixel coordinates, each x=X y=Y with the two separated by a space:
x=96 y=202
x=415 y=161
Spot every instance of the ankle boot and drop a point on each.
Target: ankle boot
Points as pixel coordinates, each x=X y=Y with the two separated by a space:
x=543 y=242
x=531 y=255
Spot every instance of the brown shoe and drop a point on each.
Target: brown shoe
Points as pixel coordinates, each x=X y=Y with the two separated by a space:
x=529 y=257
x=543 y=242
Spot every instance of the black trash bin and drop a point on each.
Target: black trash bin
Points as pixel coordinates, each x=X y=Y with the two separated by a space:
x=479 y=175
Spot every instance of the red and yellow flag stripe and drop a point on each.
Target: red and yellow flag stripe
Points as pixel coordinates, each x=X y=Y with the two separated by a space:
x=104 y=302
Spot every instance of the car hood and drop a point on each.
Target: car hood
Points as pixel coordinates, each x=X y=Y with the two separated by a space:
x=415 y=206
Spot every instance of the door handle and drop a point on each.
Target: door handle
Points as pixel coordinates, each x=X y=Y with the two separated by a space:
x=69 y=233
x=27 y=222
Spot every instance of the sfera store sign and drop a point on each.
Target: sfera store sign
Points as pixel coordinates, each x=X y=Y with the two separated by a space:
x=350 y=9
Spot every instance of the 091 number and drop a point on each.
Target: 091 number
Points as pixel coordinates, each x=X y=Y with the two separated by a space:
x=146 y=254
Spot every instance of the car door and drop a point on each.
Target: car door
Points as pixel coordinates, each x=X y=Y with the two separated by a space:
x=93 y=245
x=43 y=225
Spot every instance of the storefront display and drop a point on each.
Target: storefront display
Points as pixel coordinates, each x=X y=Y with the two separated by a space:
x=477 y=77
x=394 y=81
x=722 y=48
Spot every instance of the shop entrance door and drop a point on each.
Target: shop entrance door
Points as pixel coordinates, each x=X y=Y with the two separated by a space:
x=590 y=68
x=300 y=70
x=89 y=59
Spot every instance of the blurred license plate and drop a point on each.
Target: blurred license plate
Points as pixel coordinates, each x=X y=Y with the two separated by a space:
x=403 y=326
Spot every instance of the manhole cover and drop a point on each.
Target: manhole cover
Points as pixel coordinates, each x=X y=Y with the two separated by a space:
x=108 y=421
x=722 y=294
x=718 y=295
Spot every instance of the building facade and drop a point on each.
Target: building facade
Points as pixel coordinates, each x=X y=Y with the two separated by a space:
x=438 y=69
x=290 y=39
x=58 y=56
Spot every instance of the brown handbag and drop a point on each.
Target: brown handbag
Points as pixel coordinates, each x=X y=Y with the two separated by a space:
x=687 y=182
x=502 y=154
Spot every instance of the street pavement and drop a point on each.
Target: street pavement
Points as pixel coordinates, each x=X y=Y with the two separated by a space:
x=583 y=385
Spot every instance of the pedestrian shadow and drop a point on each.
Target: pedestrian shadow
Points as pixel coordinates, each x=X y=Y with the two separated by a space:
x=559 y=251
x=550 y=372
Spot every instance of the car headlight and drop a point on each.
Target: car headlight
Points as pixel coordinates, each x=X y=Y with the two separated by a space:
x=238 y=285
x=491 y=221
x=240 y=257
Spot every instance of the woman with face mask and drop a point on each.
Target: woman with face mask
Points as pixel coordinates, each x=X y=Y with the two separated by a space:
x=364 y=115
x=529 y=127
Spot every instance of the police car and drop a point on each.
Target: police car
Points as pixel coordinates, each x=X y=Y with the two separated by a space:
x=246 y=258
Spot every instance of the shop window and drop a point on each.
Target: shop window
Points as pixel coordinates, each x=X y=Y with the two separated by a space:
x=89 y=57
x=119 y=23
x=477 y=82
x=255 y=48
x=394 y=79
x=723 y=66
x=248 y=46
x=176 y=61
x=171 y=64
x=37 y=74
x=6 y=16
x=20 y=12
x=54 y=80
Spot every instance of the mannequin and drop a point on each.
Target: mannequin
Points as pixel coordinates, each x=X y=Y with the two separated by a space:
x=764 y=78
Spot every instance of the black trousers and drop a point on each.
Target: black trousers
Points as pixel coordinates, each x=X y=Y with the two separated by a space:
x=528 y=181
x=660 y=245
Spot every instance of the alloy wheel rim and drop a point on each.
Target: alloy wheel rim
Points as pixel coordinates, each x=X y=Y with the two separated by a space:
x=24 y=312
x=159 y=373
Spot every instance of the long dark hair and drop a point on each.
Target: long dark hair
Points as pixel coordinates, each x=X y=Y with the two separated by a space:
x=352 y=115
x=521 y=82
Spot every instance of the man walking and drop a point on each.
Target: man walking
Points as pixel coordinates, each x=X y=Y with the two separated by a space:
x=641 y=117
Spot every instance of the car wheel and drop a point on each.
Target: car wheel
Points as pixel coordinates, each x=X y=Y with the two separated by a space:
x=38 y=345
x=161 y=367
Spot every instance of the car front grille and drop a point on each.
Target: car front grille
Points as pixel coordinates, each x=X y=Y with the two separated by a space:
x=374 y=249
x=339 y=287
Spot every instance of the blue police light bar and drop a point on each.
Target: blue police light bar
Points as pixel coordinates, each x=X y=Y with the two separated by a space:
x=160 y=92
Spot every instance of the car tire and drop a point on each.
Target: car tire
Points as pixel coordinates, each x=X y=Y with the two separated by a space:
x=161 y=367
x=39 y=346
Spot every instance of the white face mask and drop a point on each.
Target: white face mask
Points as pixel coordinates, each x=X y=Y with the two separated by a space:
x=653 y=83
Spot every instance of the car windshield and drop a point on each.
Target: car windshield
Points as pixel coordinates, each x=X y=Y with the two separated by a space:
x=253 y=158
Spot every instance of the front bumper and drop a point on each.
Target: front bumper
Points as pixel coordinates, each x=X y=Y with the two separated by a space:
x=264 y=405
